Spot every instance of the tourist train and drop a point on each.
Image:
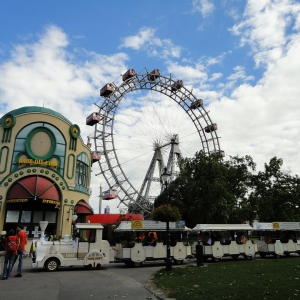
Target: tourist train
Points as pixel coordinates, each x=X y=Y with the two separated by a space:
x=87 y=247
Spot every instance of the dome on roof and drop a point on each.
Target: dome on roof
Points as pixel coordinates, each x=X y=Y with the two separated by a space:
x=36 y=109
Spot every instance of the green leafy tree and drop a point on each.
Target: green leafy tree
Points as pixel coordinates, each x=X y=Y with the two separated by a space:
x=276 y=194
x=209 y=190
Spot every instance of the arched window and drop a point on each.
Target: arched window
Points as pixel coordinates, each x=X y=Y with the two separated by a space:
x=82 y=172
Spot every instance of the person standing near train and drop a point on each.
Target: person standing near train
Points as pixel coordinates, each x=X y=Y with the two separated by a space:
x=22 y=241
x=10 y=253
x=2 y=249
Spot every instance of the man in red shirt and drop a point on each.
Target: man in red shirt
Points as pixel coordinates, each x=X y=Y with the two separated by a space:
x=22 y=241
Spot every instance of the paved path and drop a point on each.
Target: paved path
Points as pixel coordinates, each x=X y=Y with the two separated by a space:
x=113 y=282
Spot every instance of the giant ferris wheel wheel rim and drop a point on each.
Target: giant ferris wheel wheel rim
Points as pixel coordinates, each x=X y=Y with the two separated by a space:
x=112 y=96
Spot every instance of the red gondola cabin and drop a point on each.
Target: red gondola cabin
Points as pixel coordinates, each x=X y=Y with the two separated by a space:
x=177 y=85
x=130 y=73
x=153 y=75
x=107 y=90
x=93 y=118
x=196 y=104
x=211 y=127
x=109 y=194
x=96 y=156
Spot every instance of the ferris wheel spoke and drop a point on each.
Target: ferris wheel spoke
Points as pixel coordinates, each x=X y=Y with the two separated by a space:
x=147 y=122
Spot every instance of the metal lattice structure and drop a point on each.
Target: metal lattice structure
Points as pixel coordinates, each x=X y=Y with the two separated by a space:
x=138 y=199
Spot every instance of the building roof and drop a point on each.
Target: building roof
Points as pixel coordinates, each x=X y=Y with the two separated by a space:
x=36 y=109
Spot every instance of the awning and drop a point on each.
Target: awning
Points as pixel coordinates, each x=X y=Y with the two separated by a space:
x=83 y=208
x=34 y=187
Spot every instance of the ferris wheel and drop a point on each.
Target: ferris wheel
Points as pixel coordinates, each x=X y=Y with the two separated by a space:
x=147 y=123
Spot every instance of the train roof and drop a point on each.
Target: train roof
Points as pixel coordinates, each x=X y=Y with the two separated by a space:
x=206 y=227
x=148 y=225
x=277 y=226
x=89 y=226
x=263 y=226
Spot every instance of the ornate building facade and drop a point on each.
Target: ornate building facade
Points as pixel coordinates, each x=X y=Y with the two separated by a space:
x=45 y=171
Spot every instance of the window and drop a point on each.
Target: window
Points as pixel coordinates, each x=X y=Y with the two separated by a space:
x=50 y=216
x=12 y=216
x=37 y=216
x=82 y=170
x=26 y=216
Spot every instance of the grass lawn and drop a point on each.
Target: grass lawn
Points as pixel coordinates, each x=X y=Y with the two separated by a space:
x=241 y=279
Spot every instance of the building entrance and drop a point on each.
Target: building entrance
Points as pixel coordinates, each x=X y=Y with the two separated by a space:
x=31 y=200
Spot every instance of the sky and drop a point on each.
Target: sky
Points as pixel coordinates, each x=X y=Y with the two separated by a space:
x=241 y=57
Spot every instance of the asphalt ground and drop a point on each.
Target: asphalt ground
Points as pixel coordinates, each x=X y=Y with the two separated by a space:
x=114 y=281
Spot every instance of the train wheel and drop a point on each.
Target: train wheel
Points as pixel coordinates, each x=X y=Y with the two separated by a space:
x=216 y=259
x=263 y=255
x=287 y=254
x=277 y=255
x=52 y=264
x=137 y=264
x=178 y=261
x=234 y=257
x=128 y=263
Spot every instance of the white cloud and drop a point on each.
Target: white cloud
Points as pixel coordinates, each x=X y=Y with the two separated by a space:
x=215 y=76
x=262 y=120
x=189 y=74
x=205 y=7
x=43 y=72
x=153 y=45
x=265 y=25
x=144 y=36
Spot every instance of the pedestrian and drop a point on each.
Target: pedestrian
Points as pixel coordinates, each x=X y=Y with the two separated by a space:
x=10 y=252
x=2 y=249
x=22 y=241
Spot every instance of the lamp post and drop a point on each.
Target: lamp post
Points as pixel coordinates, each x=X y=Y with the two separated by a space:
x=165 y=177
x=100 y=199
x=74 y=218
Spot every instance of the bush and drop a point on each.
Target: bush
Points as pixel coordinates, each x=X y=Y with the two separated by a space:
x=166 y=213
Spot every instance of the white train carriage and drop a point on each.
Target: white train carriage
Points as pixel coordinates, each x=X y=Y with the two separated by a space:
x=278 y=238
x=88 y=249
x=135 y=253
x=221 y=240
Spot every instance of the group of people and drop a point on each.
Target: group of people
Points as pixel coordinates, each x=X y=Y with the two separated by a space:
x=150 y=240
x=208 y=239
x=12 y=247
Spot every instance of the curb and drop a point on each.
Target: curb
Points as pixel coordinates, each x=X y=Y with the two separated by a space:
x=157 y=293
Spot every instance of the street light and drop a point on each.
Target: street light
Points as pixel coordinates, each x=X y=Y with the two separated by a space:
x=165 y=178
x=100 y=199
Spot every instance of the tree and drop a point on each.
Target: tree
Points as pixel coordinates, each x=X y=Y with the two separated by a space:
x=276 y=194
x=208 y=189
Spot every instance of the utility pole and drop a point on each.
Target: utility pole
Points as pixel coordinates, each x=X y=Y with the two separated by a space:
x=100 y=199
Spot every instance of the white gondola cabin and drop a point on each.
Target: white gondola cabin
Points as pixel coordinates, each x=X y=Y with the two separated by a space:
x=177 y=85
x=107 y=90
x=196 y=104
x=109 y=194
x=211 y=127
x=130 y=73
x=93 y=119
x=153 y=75
x=96 y=156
